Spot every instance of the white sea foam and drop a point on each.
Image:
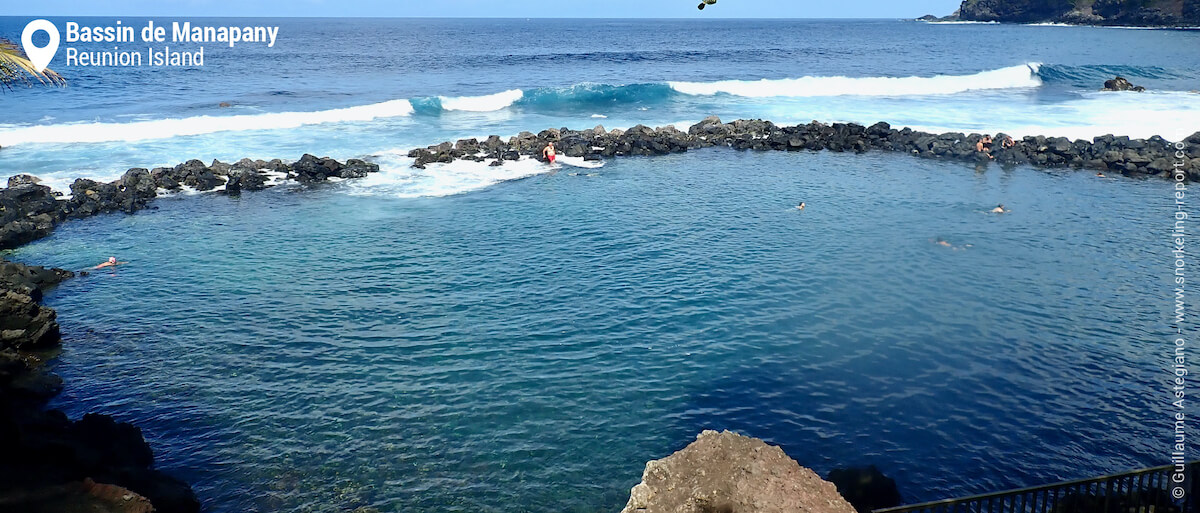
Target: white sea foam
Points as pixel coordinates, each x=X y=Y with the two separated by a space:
x=486 y=103
x=1125 y=27
x=579 y=162
x=397 y=178
x=1172 y=115
x=962 y=22
x=1022 y=76
x=167 y=128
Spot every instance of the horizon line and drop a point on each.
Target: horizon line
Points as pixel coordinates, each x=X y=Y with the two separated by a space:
x=456 y=17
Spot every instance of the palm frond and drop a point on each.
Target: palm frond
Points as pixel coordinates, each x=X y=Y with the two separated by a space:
x=16 y=68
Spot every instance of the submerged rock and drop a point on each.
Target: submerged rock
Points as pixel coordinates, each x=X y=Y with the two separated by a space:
x=729 y=473
x=78 y=497
x=866 y=488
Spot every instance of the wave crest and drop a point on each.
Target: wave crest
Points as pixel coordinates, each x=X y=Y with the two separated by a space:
x=487 y=103
x=196 y=125
x=1012 y=77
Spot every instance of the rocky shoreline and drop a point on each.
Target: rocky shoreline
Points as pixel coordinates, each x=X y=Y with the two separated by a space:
x=50 y=463
x=54 y=453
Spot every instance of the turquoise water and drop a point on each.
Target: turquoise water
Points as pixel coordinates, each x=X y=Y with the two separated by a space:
x=528 y=346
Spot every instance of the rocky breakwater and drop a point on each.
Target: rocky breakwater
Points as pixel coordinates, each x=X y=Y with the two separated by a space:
x=1120 y=154
x=30 y=211
x=48 y=462
x=729 y=473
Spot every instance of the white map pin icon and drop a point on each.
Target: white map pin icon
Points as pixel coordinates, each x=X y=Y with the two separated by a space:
x=40 y=57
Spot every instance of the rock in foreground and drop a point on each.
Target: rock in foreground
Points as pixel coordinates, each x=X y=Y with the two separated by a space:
x=729 y=473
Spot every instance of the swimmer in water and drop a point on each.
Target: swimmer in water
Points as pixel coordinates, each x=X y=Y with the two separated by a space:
x=800 y=206
x=945 y=243
x=1000 y=209
x=1101 y=175
x=112 y=262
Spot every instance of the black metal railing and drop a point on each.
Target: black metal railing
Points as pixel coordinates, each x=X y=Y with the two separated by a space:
x=1150 y=490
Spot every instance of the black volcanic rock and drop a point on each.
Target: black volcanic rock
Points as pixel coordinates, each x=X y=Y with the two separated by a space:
x=44 y=450
x=24 y=324
x=1121 y=84
x=22 y=179
x=27 y=212
x=1118 y=154
x=314 y=169
x=1016 y=11
x=356 y=168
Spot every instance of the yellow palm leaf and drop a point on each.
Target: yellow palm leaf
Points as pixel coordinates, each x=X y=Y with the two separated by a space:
x=15 y=67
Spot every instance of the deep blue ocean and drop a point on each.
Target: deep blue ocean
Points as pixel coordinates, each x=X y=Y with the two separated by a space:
x=524 y=338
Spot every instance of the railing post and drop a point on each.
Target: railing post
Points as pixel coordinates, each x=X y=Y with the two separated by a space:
x=1107 y=495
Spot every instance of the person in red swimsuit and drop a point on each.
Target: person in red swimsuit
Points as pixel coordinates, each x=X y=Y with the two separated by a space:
x=548 y=151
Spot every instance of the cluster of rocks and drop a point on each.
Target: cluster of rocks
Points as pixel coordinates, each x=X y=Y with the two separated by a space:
x=1122 y=84
x=51 y=463
x=30 y=211
x=1153 y=156
x=24 y=323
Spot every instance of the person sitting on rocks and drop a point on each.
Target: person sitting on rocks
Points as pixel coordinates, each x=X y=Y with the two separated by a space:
x=1008 y=142
x=112 y=262
x=548 y=152
x=984 y=144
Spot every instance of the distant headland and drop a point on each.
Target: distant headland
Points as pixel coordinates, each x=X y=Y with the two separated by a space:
x=1130 y=13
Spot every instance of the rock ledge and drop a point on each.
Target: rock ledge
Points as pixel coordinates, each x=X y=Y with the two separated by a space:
x=729 y=473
